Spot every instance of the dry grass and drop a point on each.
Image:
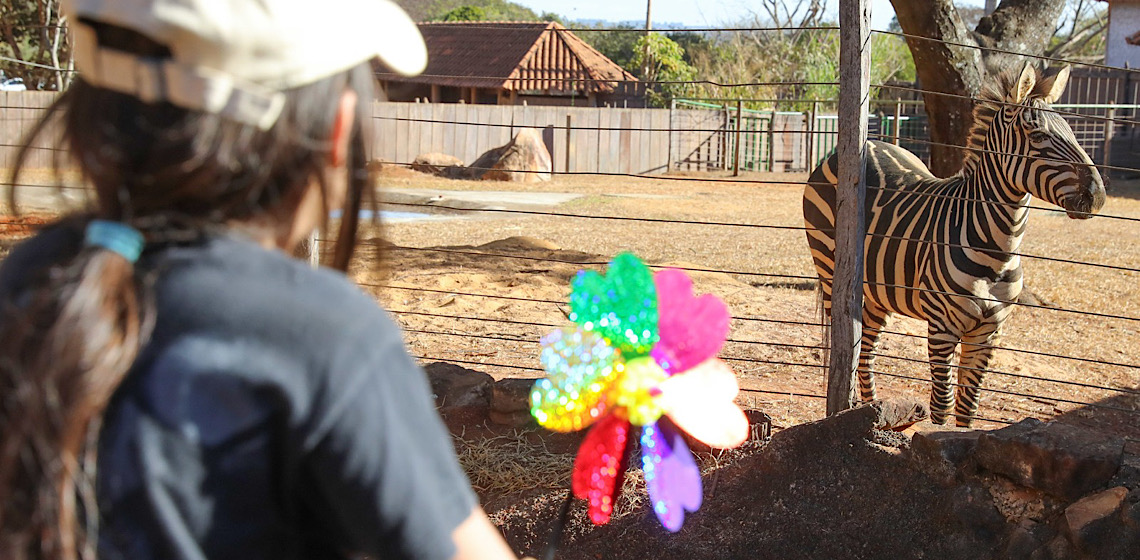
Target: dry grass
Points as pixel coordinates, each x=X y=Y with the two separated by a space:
x=510 y=461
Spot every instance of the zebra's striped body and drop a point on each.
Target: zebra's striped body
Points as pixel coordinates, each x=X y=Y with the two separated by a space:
x=945 y=250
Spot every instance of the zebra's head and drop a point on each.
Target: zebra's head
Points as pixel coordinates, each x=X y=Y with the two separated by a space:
x=1037 y=150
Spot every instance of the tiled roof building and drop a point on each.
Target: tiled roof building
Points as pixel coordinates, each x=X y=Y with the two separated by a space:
x=510 y=63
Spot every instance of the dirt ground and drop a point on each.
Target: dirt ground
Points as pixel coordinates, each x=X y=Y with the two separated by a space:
x=479 y=292
x=517 y=268
x=477 y=288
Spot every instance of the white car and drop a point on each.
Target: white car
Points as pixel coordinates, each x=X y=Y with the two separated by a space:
x=13 y=84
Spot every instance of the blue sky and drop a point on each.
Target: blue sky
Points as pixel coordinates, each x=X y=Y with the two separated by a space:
x=692 y=13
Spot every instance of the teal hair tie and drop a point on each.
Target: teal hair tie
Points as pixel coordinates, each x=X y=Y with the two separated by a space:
x=115 y=236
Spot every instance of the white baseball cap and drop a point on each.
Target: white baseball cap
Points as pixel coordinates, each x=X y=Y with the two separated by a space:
x=235 y=57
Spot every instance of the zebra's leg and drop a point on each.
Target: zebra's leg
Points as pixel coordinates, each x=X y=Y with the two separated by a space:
x=874 y=317
x=972 y=366
x=940 y=348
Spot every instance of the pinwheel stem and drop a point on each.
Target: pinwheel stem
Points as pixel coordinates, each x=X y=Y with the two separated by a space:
x=559 y=525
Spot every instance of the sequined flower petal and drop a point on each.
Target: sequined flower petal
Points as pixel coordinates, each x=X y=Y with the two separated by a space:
x=580 y=367
x=692 y=329
x=599 y=467
x=701 y=402
x=634 y=392
x=622 y=306
x=671 y=475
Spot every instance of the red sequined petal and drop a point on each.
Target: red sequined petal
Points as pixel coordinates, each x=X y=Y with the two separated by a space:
x=600 y=466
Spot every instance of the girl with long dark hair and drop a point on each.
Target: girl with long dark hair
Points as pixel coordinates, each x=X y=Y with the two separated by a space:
x=172 y=383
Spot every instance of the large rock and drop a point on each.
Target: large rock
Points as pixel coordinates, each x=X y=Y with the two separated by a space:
x=524 y=160
x=942 y=450
x=1085 y=519
x=440 y=165
x=1065 y=461
x=459 y=390
x=510 y=402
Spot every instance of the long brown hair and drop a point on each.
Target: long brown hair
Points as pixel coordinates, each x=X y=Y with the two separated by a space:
x=68 y=337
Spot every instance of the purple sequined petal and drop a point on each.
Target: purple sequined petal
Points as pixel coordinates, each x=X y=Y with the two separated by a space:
x=671 y=475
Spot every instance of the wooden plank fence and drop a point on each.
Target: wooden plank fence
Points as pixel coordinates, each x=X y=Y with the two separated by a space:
x=688 y=137
x=19 y=112
x=580 y=139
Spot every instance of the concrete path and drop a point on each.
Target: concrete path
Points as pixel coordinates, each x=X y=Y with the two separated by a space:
x=475 y=200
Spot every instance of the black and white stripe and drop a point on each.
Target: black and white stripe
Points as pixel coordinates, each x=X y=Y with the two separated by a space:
x=945 y=250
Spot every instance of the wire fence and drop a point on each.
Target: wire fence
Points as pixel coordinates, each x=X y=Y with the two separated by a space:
x=727 y=212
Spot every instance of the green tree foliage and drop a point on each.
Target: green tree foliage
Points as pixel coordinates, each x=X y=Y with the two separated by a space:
x=795 y=65
x=661 y=59
x=465 y=13
x=618 y=43
x=1081 y=33
x=690 y=41
x=34 y=37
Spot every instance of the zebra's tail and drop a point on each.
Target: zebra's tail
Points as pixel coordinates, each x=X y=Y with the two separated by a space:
x=824 y=327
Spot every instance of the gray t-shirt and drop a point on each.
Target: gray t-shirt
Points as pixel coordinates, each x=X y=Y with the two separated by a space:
x=274 y=414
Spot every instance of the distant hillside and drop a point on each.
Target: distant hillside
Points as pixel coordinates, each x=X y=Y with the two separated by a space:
x=497 y=10
x=633 y=23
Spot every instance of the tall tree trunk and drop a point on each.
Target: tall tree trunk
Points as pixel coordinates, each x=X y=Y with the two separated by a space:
x=942 y=68
x=949 y=74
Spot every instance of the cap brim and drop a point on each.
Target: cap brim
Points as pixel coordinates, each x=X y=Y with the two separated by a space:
x=398 y=42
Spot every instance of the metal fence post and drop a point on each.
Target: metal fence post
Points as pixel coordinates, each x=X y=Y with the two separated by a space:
x=898 y=122
x=772 y=142
x=809 y=165
x=850 y=226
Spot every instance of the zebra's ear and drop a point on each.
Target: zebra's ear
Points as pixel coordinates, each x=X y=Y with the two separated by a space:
x=1025 y=84
x=1054 y=85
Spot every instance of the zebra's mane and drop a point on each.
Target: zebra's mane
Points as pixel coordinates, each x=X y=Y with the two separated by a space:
x=995 y=94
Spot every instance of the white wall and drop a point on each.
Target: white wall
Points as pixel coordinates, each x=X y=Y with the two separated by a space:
x=1124 y=20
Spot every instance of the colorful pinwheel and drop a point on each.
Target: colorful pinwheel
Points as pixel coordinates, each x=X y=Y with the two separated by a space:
x=641 y=347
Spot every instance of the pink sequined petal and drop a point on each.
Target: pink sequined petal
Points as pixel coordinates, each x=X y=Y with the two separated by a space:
x=692 y=329
x=599 y=467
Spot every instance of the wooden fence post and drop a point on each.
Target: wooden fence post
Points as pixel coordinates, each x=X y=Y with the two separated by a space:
x=315 y=249
x=1109 y=132
x=850 y=226
x=672 y=115
x=736 y=150
x=569 y=145
x=598 y=142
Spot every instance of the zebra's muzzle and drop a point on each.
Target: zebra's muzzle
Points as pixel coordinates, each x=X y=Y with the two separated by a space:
x=1086 y=202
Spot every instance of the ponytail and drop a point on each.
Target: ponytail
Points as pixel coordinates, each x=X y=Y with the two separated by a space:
x=65 y=346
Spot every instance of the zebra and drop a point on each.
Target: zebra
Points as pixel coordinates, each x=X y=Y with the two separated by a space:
x=946 y=250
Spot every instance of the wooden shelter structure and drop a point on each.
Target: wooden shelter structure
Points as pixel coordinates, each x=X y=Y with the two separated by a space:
x=512 y=63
